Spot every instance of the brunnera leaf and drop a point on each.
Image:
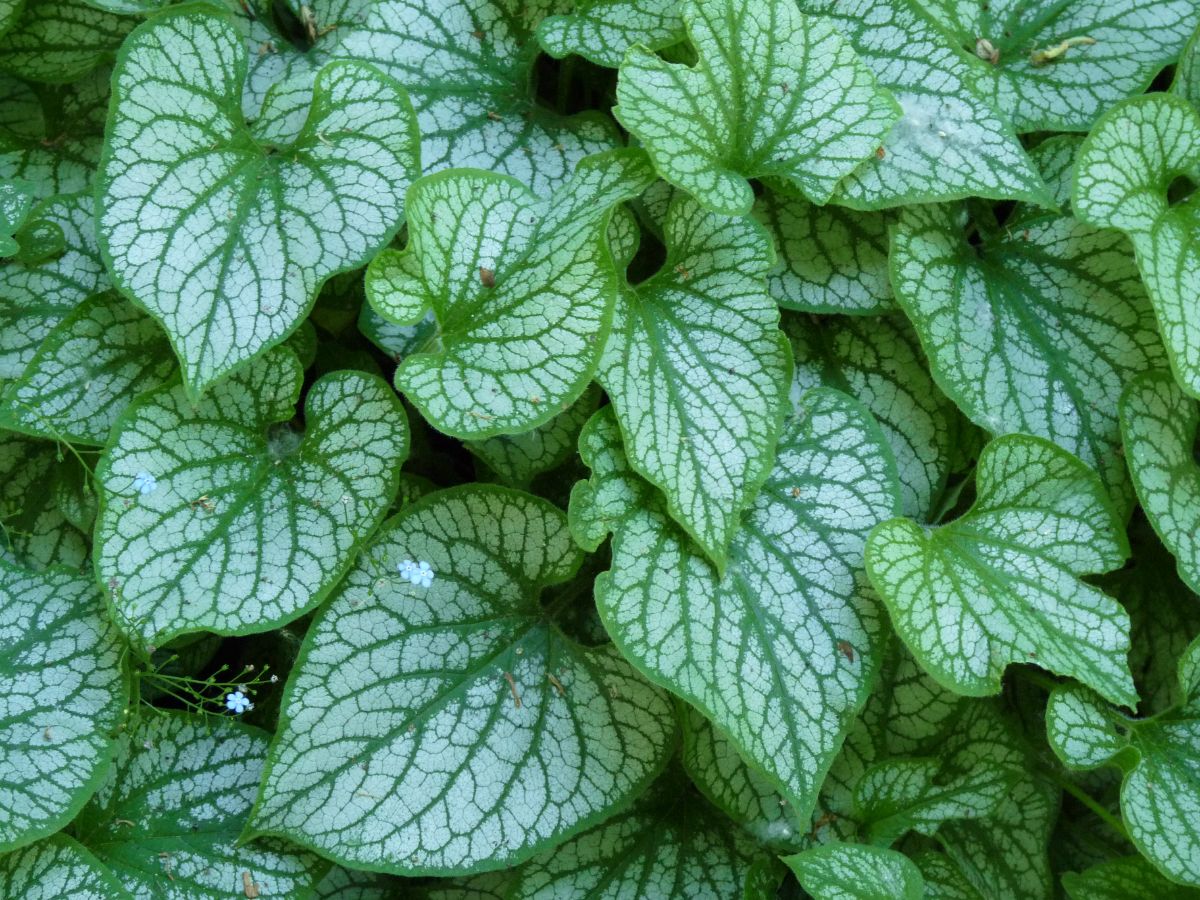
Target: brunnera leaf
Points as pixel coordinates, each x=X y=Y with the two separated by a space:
x=64 y=688
x=522 y=289
x=55 y=868
x=698 y=372
x=1122 y=175
x=1159 y=424
x=669 y=844
x=1036 y=330
x=603 y=30
x=779 y=650
x=1056 y=66
x=86 y=372
x=837 y=871
x=168 y=818
x=61 y=40
x=221 y=516
x=1001 y=583
x=1160 y=758
x=1125 y=878
x=437 y=720
x=775 y=93
x=222 y=230
x=950 y=141
x=37 y=532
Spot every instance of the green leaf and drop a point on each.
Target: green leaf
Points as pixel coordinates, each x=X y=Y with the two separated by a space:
x=1113 y=50
x=34 y=297
x=50 y=135
x=943 y=879
x=1160 y=793
x=35 y=532
x=519 y=458
x=16 y=200
x=1127 y=878
x=351 y=884
x=61 y=40
x=839 y=871
x=775 y=93
x=735 y=787
x=86 y=371
x=950 y=141
x=10 y=13
x=1000 y=584
x=225 y=232
x=669 y=844
x=603 y=30
x=831 y=259
x=779 y=651
x=522 y=289
x=64 y=690
x=879 y=361
x=1121 y=179
x=1035 y=331
x=1159 y=425
x=1187 y=71
x=698 y=372
x=489 y=735
x=55 y=868
x=469 y=67
x=221 y=517
x=167 y=819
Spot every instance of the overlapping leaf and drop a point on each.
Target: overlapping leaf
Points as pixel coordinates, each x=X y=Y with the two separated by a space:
x=522 y=290
x=994 y=320
x=698 y=372
x=838 y=871
x=64 y=690
x=779 y=651
x=445 y=724
x=61 y=40
x=224 y=232
x=1121 y=179
x=603 y=30
x=221 y=517
x=37 y=532
x=168 y=818
x=1001 y=584
x=55 y=868
x=774 y=93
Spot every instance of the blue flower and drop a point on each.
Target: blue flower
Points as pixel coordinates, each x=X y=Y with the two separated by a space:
x=418 y=573
x=237 y=702
x=144 y=483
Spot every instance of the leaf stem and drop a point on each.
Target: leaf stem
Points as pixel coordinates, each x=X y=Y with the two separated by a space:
x=1095 y=806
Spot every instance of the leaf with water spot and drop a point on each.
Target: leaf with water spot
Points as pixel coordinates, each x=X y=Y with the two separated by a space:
x=1036 y=330
x=1001 y=583
x=604 y=30
x=780 y=650
x=1159 y=424
x=837 y=871
x=443 y=723
x=64 y=691
x=219 y=517
x=774 y=93
x=1055 y=65
x=1122 y=175
x=522 y=290
x=56 y=868
x=167 y=820
x=224 y=231
x=86 y=372
x=698 y=372
x=950 y=141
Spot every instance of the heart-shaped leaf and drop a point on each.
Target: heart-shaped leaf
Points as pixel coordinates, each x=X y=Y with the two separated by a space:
x=464 y=730
x=86 y=371
x=222 y=231
x=1036 y=330
x=64 y=689
x=1055 y=65
x=1121 y=178
x=774 y=93
x=219 y=517
x=1001 y=583
x=167 y=819
x=57 y=867
x=1159 y=423
x=603 y=30
x=780 y=650
x=522 y=289
x=698 y=372
x=950 y=142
